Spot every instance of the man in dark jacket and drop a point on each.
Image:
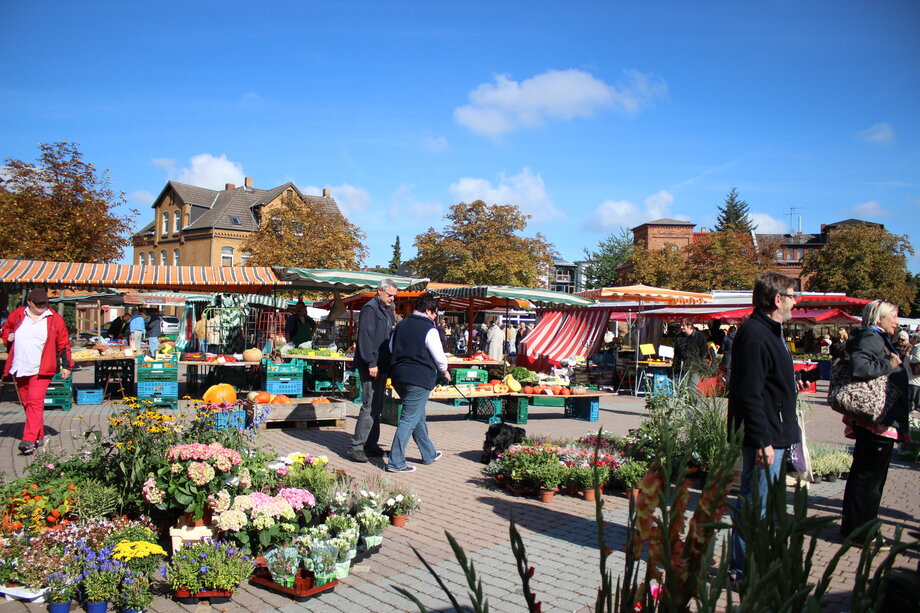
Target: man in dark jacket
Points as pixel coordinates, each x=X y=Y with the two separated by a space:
x=690 y=352
x=762 y=394
x=374 y=326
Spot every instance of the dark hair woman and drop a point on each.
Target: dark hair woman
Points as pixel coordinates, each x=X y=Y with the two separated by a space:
x=873 y=355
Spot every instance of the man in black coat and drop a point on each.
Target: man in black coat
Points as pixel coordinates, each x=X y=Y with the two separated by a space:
x=762 y=394
x=375 y=323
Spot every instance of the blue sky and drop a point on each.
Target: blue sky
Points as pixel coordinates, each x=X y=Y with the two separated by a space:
x=588 y=115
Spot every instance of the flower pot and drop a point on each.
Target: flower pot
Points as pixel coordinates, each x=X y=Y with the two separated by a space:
x=816 y=479
x=546 y=495
x=132 y=611
x=59 y=607
x=398 y=520
x=499 y=479
x=571 y=490
x=372 y=541
x=588 y=494
x=342 y=568
x=632 y=493
x=324 y=579
x=831 y=478
x=183 y=596
x=206 y=519
x=352 y=553
x=97 y=607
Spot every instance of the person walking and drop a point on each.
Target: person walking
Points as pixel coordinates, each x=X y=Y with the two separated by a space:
x=838 y=346
x=137 y=327
x=873 y=355
x=511 y=339
x=495 y=341
x=762 y=396
x=375 y=323
x=416 y=362
x=38 y=347
x=727 y=351
x=201 y=332
x=154 y=328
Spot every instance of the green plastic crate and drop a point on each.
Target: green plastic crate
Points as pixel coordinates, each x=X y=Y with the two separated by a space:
x=548 y=401
x=469 y=375
x=514 y=409
x=56 y=390
x=485 y=409
x=59 y=403
x=392 y=411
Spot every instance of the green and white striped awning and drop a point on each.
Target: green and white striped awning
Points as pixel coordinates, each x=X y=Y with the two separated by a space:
x=318 y=279
x=540 y=297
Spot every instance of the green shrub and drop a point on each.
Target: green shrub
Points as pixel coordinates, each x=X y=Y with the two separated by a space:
x=95 y=500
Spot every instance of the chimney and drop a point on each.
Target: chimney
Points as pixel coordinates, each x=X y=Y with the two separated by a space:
x=326 y=192
x=247 y=182
x=229 y=186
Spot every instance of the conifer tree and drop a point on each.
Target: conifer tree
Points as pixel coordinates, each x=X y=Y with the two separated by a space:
x=396 y=262
x=733 y=216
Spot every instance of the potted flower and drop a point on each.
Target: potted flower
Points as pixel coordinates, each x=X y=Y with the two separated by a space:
x=259 y=520
x=101 y=579
x=134 y=595
x=61 y=589
x=340 y=525
x=191 y=474
x=312 y=536
x=399 y=504
x=547 y=476
x=324 y=556
x=208 y=568
x=372 y=524
x=629 y=473
x=141 y=557
x=283 y=563
x=342 y=544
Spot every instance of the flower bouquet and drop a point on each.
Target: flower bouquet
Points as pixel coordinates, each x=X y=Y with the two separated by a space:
x=192 y=473
x=324 y=556
x=372 y=524
x=312 y=536
x=283 y=563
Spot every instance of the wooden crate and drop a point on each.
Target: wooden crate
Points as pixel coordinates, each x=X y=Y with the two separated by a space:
x=304 y=415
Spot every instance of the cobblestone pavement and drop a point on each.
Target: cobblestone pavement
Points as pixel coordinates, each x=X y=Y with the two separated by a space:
x=561 y=538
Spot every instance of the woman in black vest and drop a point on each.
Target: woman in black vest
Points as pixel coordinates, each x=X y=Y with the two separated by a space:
x=416 y=359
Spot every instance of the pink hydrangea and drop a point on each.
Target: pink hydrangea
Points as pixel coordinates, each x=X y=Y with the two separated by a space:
x=200 y=473
x=151 y=492
x=298 y=498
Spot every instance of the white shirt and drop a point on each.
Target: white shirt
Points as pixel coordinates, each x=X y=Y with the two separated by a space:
x=913 y=358
x=433 y=343
x=29 y=340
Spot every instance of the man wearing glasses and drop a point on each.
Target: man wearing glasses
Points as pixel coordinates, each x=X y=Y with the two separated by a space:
x=38 y=345
x=762 y=395
x=375 y=323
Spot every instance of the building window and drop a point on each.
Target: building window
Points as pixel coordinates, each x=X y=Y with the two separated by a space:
x=799 y=253
x=175 y=257
x=177 y=218
x=141 y=259
x=563 y=275
x=165 y=223
x=188 y=218
x=163 y=258
x=236 y=221
x=245 y=256
x=226 y=256
x=779 y=254
x=289 y=193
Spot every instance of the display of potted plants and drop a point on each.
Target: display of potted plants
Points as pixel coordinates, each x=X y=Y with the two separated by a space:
x=134 y=594
x=101 y=579
x=62 y=588
x=259 y=520
x=372 y=525
x=208 y=569
x=283 y=563
x=399 y=504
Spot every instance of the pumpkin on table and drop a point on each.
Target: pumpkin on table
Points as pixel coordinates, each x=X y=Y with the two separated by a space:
x=222 y=392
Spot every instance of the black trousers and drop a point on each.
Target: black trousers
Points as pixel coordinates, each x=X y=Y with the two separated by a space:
x=863 y=495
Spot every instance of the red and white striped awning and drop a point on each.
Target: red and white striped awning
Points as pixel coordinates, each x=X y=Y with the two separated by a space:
x=563 y=334
x=248 y=279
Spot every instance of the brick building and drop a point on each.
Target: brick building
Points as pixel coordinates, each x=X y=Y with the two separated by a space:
x=196 y=226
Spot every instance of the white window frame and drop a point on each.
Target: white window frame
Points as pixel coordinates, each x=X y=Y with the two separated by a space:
x=165 y=223
x=176 y=257
x=225 y=253
x=163 y=257
x=177 y=222
x=142 y=258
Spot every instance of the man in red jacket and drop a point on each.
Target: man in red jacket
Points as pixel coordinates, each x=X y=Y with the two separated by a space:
x=38 y=345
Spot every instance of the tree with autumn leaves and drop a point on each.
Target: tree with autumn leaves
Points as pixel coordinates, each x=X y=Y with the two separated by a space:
x=301 y=235
x=483 y=244
x=61 y=209
x=864 y=261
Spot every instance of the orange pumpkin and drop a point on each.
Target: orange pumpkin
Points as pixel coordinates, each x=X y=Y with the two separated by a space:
x=280 y=399
x=537 y=389
x=222 y=392
x=262 y=398
x=494 y=382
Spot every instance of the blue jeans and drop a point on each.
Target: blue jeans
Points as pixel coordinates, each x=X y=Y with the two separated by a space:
x=411 y=423
x=765 y=477
x=154 y=343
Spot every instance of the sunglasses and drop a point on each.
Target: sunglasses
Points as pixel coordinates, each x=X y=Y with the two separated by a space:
x=389 y=294
x=794 y=295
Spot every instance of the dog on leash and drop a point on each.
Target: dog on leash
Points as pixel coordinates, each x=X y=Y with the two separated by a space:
x=498 y=438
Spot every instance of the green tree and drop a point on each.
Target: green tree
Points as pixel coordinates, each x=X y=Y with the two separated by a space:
x=396 y=261
x=61 y=209
x=666 y=267
x=611 y=252
x=863 y=261
x=726 y=260
x=914 y=280
x=484 y=244
x=294 y=233
x=733 y=215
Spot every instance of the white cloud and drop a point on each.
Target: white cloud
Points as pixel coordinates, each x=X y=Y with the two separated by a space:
x=167 y=164
x=524 y=189
x=881 y=133
x=613 y=214
x=766 y=224
x=141 y=197
x=434 y=145
x=868 y=209
x=404 y=206
x=506 y=105
x=211 y=172
x=351 y=200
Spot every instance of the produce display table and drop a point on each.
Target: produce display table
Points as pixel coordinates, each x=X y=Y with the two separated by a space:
x=582 y=406
x=484 y=405
x=300 y=415
x=193 y=376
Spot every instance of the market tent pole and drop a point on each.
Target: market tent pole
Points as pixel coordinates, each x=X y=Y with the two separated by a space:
x=469 y=317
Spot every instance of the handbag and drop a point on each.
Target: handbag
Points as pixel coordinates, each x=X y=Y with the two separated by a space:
x=864 y=400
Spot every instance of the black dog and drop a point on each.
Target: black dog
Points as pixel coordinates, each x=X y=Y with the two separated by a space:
x=499 y=438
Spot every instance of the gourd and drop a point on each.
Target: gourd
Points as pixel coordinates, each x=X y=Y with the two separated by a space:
x=252 y=355
x=222 y=392
x=262 y=398
x=500 y=388
x=579 y=390
x=512 y=383
x=280 y=399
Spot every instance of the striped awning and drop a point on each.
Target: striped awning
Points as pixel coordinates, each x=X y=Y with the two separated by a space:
x=319 y=279
x=249 y=279
x=539 y=297
x=646 y=293
x=447 y=303
x=561 y=335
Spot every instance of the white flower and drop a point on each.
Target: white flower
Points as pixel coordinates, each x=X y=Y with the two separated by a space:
x=399 y=497
x=390 y=502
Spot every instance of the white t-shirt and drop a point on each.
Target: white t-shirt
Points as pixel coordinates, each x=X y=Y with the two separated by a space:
x=914 y=359
x=28 y=342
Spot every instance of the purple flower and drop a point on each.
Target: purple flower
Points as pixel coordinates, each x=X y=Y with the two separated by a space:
x=204 y=570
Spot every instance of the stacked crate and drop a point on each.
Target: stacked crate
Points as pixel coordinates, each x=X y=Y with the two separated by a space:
x=284 y=378
x=109 y=374
x=467 y=376
x=158 y=381
x=59 y=394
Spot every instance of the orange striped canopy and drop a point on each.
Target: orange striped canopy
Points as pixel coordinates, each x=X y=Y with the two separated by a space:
x=646 y=293
x=246 y=279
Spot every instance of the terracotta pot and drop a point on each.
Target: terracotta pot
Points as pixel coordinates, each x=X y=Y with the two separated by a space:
x=588 y=494
x=632 y=493
x=546 y=496
x=206 y=518
x=398 y=520
x=571 y=490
